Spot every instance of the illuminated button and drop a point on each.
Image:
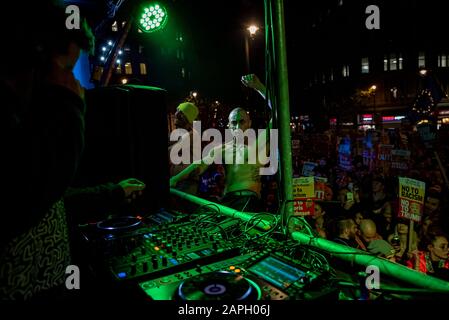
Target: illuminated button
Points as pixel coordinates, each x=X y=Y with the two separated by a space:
x=157 y=248
x=121 y=275
x=231 y=268
x=165 y=280
x=237 y=270
x=148 y=285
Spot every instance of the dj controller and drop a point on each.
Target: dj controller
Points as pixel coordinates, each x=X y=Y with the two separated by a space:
x=172 y=256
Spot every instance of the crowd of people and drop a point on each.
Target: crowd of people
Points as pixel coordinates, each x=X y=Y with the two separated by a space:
x=364 y=211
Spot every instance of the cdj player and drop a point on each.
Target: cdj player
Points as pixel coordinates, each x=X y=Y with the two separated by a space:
x=254 y=276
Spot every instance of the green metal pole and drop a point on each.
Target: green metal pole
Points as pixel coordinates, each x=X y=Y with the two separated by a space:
x=245 y=216
x=283 y=106
x=386 y=267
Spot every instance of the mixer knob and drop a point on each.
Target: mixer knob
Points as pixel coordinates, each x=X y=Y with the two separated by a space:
x=145 y=266
x=169 y=248
x=164 y=261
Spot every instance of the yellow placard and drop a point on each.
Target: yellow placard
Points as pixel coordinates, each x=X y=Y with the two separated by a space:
x=412 y=189
x=303 y=188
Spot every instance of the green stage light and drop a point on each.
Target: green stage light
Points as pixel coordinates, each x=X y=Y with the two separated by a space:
x=153 y=18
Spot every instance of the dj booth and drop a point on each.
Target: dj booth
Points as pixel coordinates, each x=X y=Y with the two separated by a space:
x=152 y=253
x=206 y=256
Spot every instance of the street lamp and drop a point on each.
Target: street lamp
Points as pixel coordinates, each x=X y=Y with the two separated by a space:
x=372 y=89
x=252 y=29
x=423 y=72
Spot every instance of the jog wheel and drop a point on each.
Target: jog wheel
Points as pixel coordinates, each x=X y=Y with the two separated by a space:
x=118 y=236
x=220 y=285
x=119 y=224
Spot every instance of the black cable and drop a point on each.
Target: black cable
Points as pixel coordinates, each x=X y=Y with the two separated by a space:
x=209 y=204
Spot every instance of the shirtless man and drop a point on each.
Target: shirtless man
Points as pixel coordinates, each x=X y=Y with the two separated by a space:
x=242 y=181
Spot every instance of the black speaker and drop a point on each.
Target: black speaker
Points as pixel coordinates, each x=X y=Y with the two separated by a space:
x=127 y=136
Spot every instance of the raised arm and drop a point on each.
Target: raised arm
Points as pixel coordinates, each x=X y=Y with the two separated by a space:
x=252 y=81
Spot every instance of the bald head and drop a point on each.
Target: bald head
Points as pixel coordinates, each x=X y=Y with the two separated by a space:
x=239 y=119
x=368 y=229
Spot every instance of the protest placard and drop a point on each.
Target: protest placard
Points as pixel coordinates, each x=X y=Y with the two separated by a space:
x=303 y=194
x=411 y=198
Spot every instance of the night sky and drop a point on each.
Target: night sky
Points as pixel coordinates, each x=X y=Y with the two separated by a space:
x=317 y=32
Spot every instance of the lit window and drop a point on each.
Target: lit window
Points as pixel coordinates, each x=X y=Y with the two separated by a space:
x=183 y=72
x=400 y=62
x=128 y=68
x=143 y=68
x=365 y=65
x=345 y=71
x=421 y=60
x=123 y=23
x=114 y=26
x=331 y=75
x=393 y=62
x=118 y=70
x=443 y=60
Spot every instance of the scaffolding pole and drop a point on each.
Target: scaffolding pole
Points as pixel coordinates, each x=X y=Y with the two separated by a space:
x=283 y=108
x=386 y=267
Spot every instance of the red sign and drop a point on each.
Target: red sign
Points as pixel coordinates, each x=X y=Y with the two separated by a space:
x=304 y=207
